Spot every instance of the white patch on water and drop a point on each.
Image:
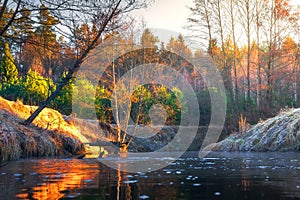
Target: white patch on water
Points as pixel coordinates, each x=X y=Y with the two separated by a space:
x=144 y=197
x=217 y=193
x=130 y=181
x=18 y=175
x=196 y=184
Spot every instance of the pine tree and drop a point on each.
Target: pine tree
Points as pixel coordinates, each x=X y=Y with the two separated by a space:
x=46 y=25
x=46 y=37
x=148 y=39
x=179 y=46
x=8 y=69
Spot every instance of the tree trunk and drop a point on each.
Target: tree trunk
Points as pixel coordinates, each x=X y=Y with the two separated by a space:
x=235 y=49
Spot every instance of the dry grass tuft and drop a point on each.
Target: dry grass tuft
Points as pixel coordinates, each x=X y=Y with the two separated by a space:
x=242 y=124
x=49 y=135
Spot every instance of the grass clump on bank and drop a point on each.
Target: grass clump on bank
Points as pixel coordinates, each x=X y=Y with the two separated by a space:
x=49 y=135
x=280 y=133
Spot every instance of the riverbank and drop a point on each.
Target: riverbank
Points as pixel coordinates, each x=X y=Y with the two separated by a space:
x=280 y=133
x=49 y=135
x=52 y=133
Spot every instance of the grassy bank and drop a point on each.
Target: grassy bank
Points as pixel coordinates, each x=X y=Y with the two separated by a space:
x=49 y=134
x=280 y=133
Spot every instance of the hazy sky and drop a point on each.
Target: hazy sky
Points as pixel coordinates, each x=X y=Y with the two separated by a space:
x=170 y=14
x=167 y=14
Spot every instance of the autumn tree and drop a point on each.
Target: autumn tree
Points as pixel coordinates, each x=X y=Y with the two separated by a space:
x=129 y=58
x=252 y=59
x=8 y=15
x=73 y=13
x=276 y=22
x=148 y=39
x=179 y=46
x=231 y=12
x=46 y=38
x=288 y=73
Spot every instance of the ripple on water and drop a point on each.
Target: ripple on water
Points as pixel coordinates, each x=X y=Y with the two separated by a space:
x=18 y=175
x=72 y=196
x=196 y=184
x=144 y=197
x=263 y=167
x=130 y=181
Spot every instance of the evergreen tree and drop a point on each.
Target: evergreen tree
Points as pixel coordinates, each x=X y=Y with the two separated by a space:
x=23 y=28
x=46 y=24
x=148 y=39
x=179 y=46
x=8 y=69
x=46 y=37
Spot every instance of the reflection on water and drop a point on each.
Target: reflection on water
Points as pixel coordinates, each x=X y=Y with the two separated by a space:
x=218 y=176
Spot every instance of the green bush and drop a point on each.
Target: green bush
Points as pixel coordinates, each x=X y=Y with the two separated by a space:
x=31 y=89
x=142 y=99
x=63 y=102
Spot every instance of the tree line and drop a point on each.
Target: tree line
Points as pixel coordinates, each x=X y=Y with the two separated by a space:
x=40 y=60
x=59 y=17
x=252 y=42
x=255 y=45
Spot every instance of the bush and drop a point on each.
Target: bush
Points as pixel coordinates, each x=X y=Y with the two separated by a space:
x=31 y=89
x=63 y=102
x=141 y=102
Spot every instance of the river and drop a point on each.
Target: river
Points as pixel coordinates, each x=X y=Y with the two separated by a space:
x=216 y=176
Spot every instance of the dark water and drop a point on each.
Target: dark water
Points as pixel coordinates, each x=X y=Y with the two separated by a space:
x=217 y=176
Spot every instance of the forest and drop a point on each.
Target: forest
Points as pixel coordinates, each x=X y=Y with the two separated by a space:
x=97 y=104
x=254 y=44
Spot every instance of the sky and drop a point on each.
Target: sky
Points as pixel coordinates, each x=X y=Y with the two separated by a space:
x=167 y=14
x=170 y=15
x=166 y=19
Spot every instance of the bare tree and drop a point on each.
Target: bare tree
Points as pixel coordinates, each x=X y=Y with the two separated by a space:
x=71 y=14
x=247 y=15
x=200 y=22
x=259 y=7
x=276 y=27
x=232 y=9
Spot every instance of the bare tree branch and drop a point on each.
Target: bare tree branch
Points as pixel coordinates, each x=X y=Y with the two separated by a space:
x=113 y=12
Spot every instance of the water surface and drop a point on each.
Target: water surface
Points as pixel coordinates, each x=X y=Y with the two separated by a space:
x=217 y=176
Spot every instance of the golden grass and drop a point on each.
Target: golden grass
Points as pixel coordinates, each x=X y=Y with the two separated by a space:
x=49 y=134
x=242 y=124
